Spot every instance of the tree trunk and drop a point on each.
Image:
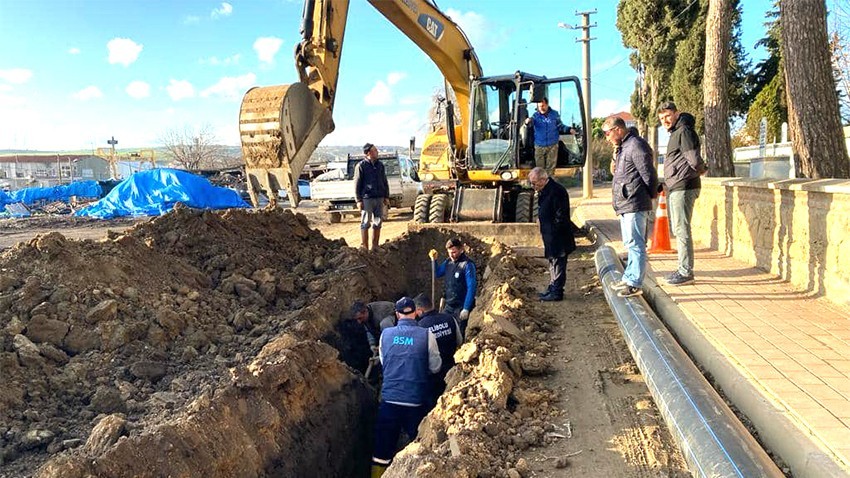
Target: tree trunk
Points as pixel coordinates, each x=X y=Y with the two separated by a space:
x=718 y=31
x=813 y=116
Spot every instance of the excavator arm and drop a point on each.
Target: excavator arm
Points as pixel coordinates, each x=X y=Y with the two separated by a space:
x=281 y=126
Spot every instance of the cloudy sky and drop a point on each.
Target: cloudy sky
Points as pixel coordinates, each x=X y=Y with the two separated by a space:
x=73 y=74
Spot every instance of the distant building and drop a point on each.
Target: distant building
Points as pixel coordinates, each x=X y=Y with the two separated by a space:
x=27 y=170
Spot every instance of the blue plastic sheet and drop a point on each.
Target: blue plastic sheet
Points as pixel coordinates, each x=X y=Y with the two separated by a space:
x=63 y=192
x=155 y=192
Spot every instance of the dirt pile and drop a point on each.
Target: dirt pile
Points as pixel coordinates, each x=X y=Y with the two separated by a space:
x=145 y=322
x=489 y=416
x=190 y=344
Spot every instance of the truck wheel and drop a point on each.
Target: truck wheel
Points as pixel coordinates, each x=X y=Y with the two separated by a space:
x=535 y=207
x=422 y=208
x=439 y=208
x=523 y=206
x=335 y=217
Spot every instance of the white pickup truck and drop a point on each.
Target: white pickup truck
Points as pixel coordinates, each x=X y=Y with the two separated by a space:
x=334 y=190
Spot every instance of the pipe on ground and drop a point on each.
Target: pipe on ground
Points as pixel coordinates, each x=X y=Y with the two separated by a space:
x=712 y=439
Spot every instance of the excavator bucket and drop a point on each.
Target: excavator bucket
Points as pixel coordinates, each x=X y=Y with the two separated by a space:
x=280 y=127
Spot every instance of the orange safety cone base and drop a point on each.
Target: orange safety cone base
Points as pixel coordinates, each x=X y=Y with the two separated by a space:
x=661 y=230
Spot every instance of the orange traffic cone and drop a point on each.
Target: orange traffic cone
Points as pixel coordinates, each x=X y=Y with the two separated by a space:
x=661 y=231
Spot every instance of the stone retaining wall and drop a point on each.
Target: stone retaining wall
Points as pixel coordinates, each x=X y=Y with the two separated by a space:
x=798 y=229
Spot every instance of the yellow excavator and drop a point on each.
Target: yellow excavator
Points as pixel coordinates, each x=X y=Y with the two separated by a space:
x=474 y=165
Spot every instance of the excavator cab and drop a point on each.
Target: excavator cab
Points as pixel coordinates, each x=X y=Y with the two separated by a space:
x=501 y=141
x=493 y=183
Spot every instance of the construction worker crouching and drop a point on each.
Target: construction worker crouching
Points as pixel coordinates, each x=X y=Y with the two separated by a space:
x=408 y=355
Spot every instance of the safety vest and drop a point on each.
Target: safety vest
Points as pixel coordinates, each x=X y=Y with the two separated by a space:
x=404 y=357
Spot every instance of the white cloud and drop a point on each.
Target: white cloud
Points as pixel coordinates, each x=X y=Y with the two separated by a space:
x=16 y=76
x=88 y=93
x=191 y=20
x=179 y=89
x=607 y=106
x=395 y=76
x=380 y=95
x=231 y=87
x=223 y=11
x=226 y=61
x=123 y=51
x=74 y=51
x=138 y=89
x=4 y=88
x=266 y=48
x=482 y=34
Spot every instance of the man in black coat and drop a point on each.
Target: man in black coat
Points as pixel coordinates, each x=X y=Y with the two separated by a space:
x=555 y=227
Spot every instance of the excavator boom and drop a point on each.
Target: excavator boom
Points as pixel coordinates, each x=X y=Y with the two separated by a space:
x=281 y=126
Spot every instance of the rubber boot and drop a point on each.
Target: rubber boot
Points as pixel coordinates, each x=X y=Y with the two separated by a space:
x=376 y=238
x=378 y=471
x=364 y=239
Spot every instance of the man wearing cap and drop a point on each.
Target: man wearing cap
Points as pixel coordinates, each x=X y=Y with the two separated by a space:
x=683 y=167
x=372 y=193
x=447 y=332
x=409 y=355
x=461 y=281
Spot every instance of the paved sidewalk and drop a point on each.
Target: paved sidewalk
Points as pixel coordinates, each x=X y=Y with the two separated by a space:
x=780 y=355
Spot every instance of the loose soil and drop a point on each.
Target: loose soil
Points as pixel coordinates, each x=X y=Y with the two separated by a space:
x=208 y=344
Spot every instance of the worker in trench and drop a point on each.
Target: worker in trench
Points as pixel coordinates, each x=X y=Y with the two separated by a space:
x=409 y=356
x=447 y=332
x=461 y=283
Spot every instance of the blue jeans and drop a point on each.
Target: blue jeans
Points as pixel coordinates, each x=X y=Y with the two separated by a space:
x=681 y=204
x=633 y=230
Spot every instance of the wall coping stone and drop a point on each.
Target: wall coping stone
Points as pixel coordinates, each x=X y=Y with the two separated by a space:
x=835 y=186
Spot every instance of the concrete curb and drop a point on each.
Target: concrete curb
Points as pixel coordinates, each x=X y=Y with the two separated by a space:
x=777 y=428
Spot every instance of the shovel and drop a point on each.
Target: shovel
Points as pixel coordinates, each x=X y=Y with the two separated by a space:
x=433 y=281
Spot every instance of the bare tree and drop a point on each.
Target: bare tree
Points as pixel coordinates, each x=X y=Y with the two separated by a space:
x=718 y=31
x=191 y=148
x=813 y=117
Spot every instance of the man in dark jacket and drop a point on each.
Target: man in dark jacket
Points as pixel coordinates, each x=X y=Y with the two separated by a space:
x=683 y=167
x=372 y=193
x=409 y=355
x=445 y=329
x=635 y=184
x=460 y=280
x=555 y=227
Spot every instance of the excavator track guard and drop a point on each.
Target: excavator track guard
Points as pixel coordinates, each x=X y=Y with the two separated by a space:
x=280 y=127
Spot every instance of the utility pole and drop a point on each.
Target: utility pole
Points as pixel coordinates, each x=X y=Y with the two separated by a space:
x=587 y=175
x=113 y=161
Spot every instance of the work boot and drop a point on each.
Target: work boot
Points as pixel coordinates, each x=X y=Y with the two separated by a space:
x=376 y=237
x=378 y=471
x=364 y=239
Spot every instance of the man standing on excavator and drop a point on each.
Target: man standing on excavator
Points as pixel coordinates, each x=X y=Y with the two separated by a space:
x=372 y=192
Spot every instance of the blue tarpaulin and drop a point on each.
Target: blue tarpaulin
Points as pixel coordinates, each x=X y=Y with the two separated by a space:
x=155 y=192
x=63 y=192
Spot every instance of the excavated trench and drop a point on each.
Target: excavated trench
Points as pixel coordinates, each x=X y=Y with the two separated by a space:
x=215 y=344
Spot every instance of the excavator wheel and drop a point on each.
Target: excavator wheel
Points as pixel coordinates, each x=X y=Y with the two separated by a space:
x=535 y=208
x=422 y=208
x=523 y=206
x=439 y=208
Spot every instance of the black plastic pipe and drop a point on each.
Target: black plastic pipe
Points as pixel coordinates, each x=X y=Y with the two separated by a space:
x=712 y=439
